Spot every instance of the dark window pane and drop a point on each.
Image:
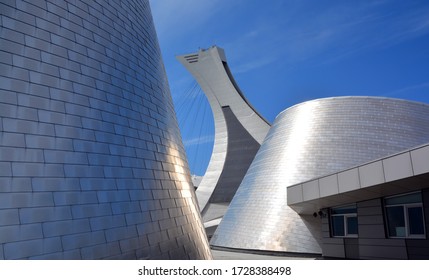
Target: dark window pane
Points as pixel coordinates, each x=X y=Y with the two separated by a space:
x=344 y=210
x=352 y=225
x=415 y=219
x=338 y=226
x=404 y=199
x=396 y=221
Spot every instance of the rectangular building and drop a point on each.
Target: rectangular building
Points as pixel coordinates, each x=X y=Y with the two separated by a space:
x=378 y=210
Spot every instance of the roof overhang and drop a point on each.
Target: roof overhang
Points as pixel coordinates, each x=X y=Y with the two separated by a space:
x=395 y=174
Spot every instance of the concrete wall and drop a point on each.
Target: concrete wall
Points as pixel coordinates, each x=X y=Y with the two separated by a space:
x=92 y=165
x=239 y=129
x=241 y=150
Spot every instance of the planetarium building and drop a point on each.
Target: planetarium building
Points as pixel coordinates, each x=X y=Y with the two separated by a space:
x=92 y=165
x=343 y=177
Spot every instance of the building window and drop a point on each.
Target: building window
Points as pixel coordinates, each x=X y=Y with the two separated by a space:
x=404 y=216
x=344 y=221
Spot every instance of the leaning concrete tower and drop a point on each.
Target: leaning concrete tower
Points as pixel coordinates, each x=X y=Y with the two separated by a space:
x=239 y=132
x=92 y=165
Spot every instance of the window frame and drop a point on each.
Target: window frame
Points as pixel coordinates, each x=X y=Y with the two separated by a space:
x=405 y=206
x=345 y=223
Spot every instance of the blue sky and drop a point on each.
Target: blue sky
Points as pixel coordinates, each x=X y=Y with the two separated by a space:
x=283 y=52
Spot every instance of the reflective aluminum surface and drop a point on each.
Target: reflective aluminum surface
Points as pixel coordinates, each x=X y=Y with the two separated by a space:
x=92 y=165
x=307 y=141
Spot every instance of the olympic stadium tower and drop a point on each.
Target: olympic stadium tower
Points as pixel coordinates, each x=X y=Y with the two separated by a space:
x=92 y=165
x=239 y=132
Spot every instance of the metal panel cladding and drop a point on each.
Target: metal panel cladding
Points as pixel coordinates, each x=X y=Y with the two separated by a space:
x=307 y=141
x=92 y=164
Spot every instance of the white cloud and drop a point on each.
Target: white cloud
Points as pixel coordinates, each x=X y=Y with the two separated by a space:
x=253 y=64
x=173 y=18
x=198 y=140
x=327 y=34
x=423 y=88
x=291 y=31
